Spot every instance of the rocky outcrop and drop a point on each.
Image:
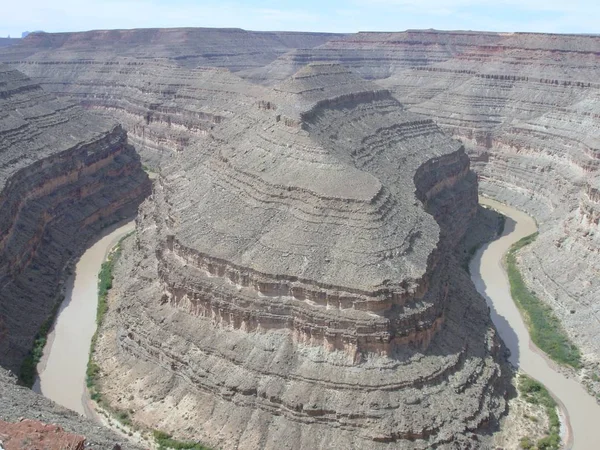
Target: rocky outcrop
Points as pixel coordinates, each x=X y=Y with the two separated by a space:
x=163 y=107
x=230 y=48
x=42 y=423
x=64 y=175
x=146 y=79
x=293 y=282
x=5 y=42
x=27 y=434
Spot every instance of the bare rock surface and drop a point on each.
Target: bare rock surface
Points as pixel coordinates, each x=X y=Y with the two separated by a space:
x=294 y=282
x=64 y=175
x=526 y=106
x=231 y=48
x=30 y=434
x=5 y=42
x=24 y=411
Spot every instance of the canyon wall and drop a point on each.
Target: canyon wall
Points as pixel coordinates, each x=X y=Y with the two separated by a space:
x=526 y=107
x=147 y=79
x=64 y=176
x=293 y=282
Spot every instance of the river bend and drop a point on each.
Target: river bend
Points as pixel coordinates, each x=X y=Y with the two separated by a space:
x=62 y=370
x=491 y=280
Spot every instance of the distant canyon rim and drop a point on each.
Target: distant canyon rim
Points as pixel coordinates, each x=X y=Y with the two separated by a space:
x=297 y=274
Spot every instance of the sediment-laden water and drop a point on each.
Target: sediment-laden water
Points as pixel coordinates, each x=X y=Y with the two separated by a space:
x=491 y=280
x=62 y=370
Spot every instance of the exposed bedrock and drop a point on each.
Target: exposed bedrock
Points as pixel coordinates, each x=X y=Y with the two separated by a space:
x=21 y=405
x=64 y=175
x=232 y=48
x=526 y=107
x=163 y=107
x=297 y=285
x=146 y=79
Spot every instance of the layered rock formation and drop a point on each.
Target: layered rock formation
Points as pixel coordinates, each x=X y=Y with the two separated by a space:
x=64 y=175
x=231 y=48
x=526 y=107
x=293 y=282
x=27 y=434
x=5 y=42
x=145 y=79
x=527 y=110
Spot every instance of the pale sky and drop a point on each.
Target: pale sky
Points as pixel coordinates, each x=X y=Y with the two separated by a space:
x=558 y=16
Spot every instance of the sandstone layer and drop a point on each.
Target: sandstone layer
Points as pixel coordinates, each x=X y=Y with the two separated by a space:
x=145 y=79
x=64 y=175
x=526 y=107
x=294 y=282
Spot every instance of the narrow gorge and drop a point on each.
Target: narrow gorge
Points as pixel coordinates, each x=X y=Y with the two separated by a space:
x=65 y=175
x=298 y=273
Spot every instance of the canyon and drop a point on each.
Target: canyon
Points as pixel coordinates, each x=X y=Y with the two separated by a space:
x=297 y=272
x=65 y=175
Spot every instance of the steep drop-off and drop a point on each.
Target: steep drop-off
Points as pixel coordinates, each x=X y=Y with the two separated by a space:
x=527 y=108
x=293 y=282
x=64 y=175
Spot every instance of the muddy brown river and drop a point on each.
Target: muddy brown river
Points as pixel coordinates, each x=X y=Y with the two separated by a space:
x=63 y=367
x=489 y=276
x=62 y=370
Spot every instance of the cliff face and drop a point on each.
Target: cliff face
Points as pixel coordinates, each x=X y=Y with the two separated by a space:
x=293 y=281
x=64 y=175
x=526 y=108
x=163 y=107
x=146 y=79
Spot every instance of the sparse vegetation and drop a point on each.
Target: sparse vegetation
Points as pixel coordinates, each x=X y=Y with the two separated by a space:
x=535 y=393
x=526 y=443
x=165 y=441
x=28 y=371
x=544 y=327
x=105 y=279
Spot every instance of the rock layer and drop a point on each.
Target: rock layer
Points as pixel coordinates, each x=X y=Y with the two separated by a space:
x=526 y=107
x=64 y=175
x=294 y=281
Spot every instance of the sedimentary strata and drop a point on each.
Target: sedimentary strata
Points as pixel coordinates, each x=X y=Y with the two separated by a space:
x=297 y=285
x=163 y=107
x=526 y=107
x=64 y=175
x=146 y=79
x=231 y=48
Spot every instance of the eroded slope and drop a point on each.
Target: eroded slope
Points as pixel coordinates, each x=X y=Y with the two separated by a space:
x=64 y=175
x=293 y=282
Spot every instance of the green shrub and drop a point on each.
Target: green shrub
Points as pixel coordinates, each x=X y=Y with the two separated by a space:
x=165 y=441
x=535 y=393
x=105 y=281
x=28 y=370
x=526 y=443
x=545 y=329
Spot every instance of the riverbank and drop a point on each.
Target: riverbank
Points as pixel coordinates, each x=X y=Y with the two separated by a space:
x=62 y=369
x=491 y=280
